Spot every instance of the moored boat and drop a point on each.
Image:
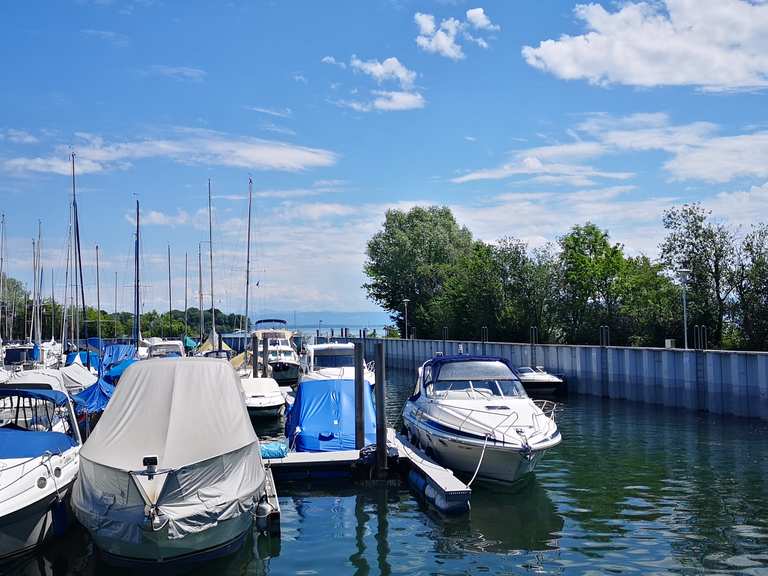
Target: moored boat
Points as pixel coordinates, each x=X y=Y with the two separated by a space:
x=538 y=381
x=173 y=471
x=263 y=397
x=333 y=361
x=39 y=446
x=473 y=415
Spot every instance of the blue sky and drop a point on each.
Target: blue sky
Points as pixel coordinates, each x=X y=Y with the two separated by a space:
x=524 y=117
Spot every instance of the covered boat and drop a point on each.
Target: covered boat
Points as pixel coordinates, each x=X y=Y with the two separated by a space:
x=322 y=418
x=473 y=415
x=334 y=361
x=173 y=471
x=39 y=445
x=77 y=377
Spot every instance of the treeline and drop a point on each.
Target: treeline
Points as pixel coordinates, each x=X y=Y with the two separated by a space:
x=569 y=289
x=16 y=314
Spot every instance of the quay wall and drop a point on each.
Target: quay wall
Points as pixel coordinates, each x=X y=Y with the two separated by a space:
x=715 y=381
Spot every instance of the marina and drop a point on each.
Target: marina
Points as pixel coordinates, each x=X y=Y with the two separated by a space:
x=631 y=490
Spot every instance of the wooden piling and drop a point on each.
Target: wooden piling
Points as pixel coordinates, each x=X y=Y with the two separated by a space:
x=381 y=424
x=359 y=398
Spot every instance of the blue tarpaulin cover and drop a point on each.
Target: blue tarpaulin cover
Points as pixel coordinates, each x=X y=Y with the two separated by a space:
x=113 y=374
x=29 y=443
x=274 y=450
x=95 y=362
x=116 y=353
x=94 y=398
x=322 y=418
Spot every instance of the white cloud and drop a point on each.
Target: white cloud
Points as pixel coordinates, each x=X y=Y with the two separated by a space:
x=18 y=136
x=741 y=207
x=479 y=20
x=298 y=77
x=717 y=45
x=389 y=69
x=279 y=112
x=443 y=39
x=332 y=60
x=177 y=72
x=274 y=128
x=440 y=40
x=185 y=146
x=397 y=100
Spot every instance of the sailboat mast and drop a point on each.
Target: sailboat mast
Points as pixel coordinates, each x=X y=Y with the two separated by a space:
x=115 y=321
x=53 y=311
x=29 y=335
x=98 y=297
x=248 y=256
x=210 y=244
x=2 y=276
x=170 y=306
x=80 y=262
x=136 y=318
x=186 y=263
x=200 y=289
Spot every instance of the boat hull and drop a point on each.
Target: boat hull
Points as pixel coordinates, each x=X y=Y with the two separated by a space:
x=266 y=411
x=24 y=530
x=285 y=372
x=155 y=548
x=500 y=462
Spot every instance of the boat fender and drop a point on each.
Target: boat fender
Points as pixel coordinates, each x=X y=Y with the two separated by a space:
x=60 y=518
x=263 y=510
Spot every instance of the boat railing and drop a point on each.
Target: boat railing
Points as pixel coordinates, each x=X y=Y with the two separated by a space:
x=548 y=408
x=492 y=431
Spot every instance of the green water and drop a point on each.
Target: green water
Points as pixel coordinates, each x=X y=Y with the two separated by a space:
x=632 y=489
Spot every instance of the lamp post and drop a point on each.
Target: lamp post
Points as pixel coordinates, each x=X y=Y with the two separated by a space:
x=683 y=273
x=405 y=303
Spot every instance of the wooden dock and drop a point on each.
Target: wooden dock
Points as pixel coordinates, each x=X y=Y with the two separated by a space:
x=436 y=484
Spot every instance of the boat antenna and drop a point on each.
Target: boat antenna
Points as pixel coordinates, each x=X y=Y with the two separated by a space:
x=136 y=318
x=248 y=256
x=80 y=262
x=210 y=243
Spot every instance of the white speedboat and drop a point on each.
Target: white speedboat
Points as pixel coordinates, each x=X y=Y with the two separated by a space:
x=283 y=358
x=334 y=361
x=39 y=446
x=166 y=349
x=173 y=471
x=473 y=415
x=538 y=380
x=263 y=397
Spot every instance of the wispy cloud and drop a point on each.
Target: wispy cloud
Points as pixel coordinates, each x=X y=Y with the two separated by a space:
x=279 y=112
x=183 y=145
x=158 y=218
x=331 y=60
x=444 y=38
x=115 y=38
x=186 y=73
x=18 y=136
x=389 y=70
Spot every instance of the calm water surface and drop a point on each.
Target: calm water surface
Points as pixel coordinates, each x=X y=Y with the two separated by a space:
x=632 y=489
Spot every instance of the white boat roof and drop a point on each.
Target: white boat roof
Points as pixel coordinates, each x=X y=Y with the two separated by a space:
x=259 y=386
x=182 y=410
x=331 y=346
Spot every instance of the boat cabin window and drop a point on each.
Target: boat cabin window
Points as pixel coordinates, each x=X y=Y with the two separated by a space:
x=475 y=380
x=34 y=414
x=336 y=359
x=525 y=370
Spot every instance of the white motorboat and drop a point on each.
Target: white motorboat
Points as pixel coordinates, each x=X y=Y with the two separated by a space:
x=166 y=349
x=538 y=380
x=283 y=358
x=263 y=397
x=173 y=471
x=473 y=415
x=39 y=446
x=334 y=361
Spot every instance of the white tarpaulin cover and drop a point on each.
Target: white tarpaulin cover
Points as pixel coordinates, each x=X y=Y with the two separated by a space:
x=77 y=377
x=190 y=413
x=45 y=378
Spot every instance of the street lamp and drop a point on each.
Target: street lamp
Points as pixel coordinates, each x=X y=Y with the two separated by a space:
x=405 y=303
x=684 y=273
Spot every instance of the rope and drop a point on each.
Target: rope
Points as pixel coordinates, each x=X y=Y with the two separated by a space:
x=479 y=462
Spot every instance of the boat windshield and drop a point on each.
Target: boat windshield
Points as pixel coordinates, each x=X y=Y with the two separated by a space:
x=342 y=360
x=17 y=413
x=480 y=379
x=525 y=370
x=280 y=355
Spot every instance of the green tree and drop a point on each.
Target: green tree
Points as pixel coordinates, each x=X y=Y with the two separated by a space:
x=410 y=258
x=706 y=248
x=591 y=270
x=751 y=285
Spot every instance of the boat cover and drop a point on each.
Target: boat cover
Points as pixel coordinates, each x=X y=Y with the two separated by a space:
x=322 y=418
x=31 y=444
x=115 y=371
x=212 y=343
x=189 y=343
x=94 y=398
x=39 y=378
x=190 y=414
x=116 y=353
x=84 y=356
x=77 y=377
